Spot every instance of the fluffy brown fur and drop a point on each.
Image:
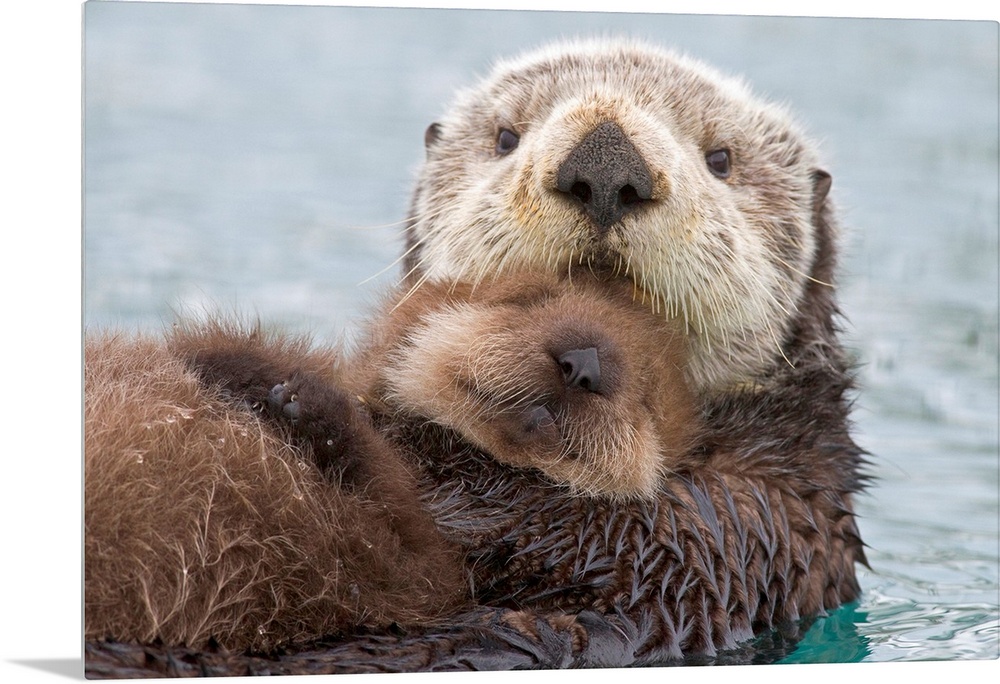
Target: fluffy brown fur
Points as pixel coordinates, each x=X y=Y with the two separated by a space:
x=202 y=523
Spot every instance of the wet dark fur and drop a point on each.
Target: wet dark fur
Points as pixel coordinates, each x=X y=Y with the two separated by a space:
x=759 y=534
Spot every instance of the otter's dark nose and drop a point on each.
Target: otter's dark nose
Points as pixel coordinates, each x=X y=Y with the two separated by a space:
x=581 y=368
x=606 y=175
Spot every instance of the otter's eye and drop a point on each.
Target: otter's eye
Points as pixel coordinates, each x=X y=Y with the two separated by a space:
x=538 y=419
x=507 y=141
x=718 y=163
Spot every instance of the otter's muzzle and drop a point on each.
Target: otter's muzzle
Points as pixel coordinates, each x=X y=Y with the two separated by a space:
x=606 y=175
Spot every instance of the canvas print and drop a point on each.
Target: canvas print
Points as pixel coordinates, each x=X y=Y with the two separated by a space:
x=431 y=340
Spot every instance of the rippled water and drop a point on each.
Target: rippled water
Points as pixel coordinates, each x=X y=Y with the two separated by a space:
x=257 y=157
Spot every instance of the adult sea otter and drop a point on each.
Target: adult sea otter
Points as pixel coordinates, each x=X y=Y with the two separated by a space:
x=652 y=168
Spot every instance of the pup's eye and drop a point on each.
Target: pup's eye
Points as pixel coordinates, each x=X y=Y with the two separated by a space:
x=507 y=141
x=718 y=163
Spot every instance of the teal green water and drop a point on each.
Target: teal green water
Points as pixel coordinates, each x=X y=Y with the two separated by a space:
x=259 y=157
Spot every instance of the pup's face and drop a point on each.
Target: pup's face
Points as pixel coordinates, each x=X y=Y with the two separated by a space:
x=577 y=381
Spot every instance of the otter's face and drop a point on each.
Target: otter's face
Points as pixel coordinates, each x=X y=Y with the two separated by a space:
x=588 y=390
x=638 y=161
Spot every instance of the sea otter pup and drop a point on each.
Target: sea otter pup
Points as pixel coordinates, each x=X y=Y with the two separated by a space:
x=639 y=162
x=202 y=524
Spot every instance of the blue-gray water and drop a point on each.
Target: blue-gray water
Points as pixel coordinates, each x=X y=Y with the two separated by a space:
x=260 y=158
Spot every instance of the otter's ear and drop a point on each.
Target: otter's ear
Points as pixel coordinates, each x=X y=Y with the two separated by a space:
x=821 y=187
x=432 y=135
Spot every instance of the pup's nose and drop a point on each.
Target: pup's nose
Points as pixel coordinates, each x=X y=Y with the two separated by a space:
x=581 y=368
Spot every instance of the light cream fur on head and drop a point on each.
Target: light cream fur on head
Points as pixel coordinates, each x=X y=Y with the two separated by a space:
x=728 y=256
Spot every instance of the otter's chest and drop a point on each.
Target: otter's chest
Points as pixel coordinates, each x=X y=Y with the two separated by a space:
x=532 y=543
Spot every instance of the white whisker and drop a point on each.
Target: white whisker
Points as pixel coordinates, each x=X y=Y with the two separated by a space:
x=798 y=272
x=395 y=262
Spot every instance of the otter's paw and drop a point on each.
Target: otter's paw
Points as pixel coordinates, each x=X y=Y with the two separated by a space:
x=312 y=407
x=283 y=402
x=326 y=418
